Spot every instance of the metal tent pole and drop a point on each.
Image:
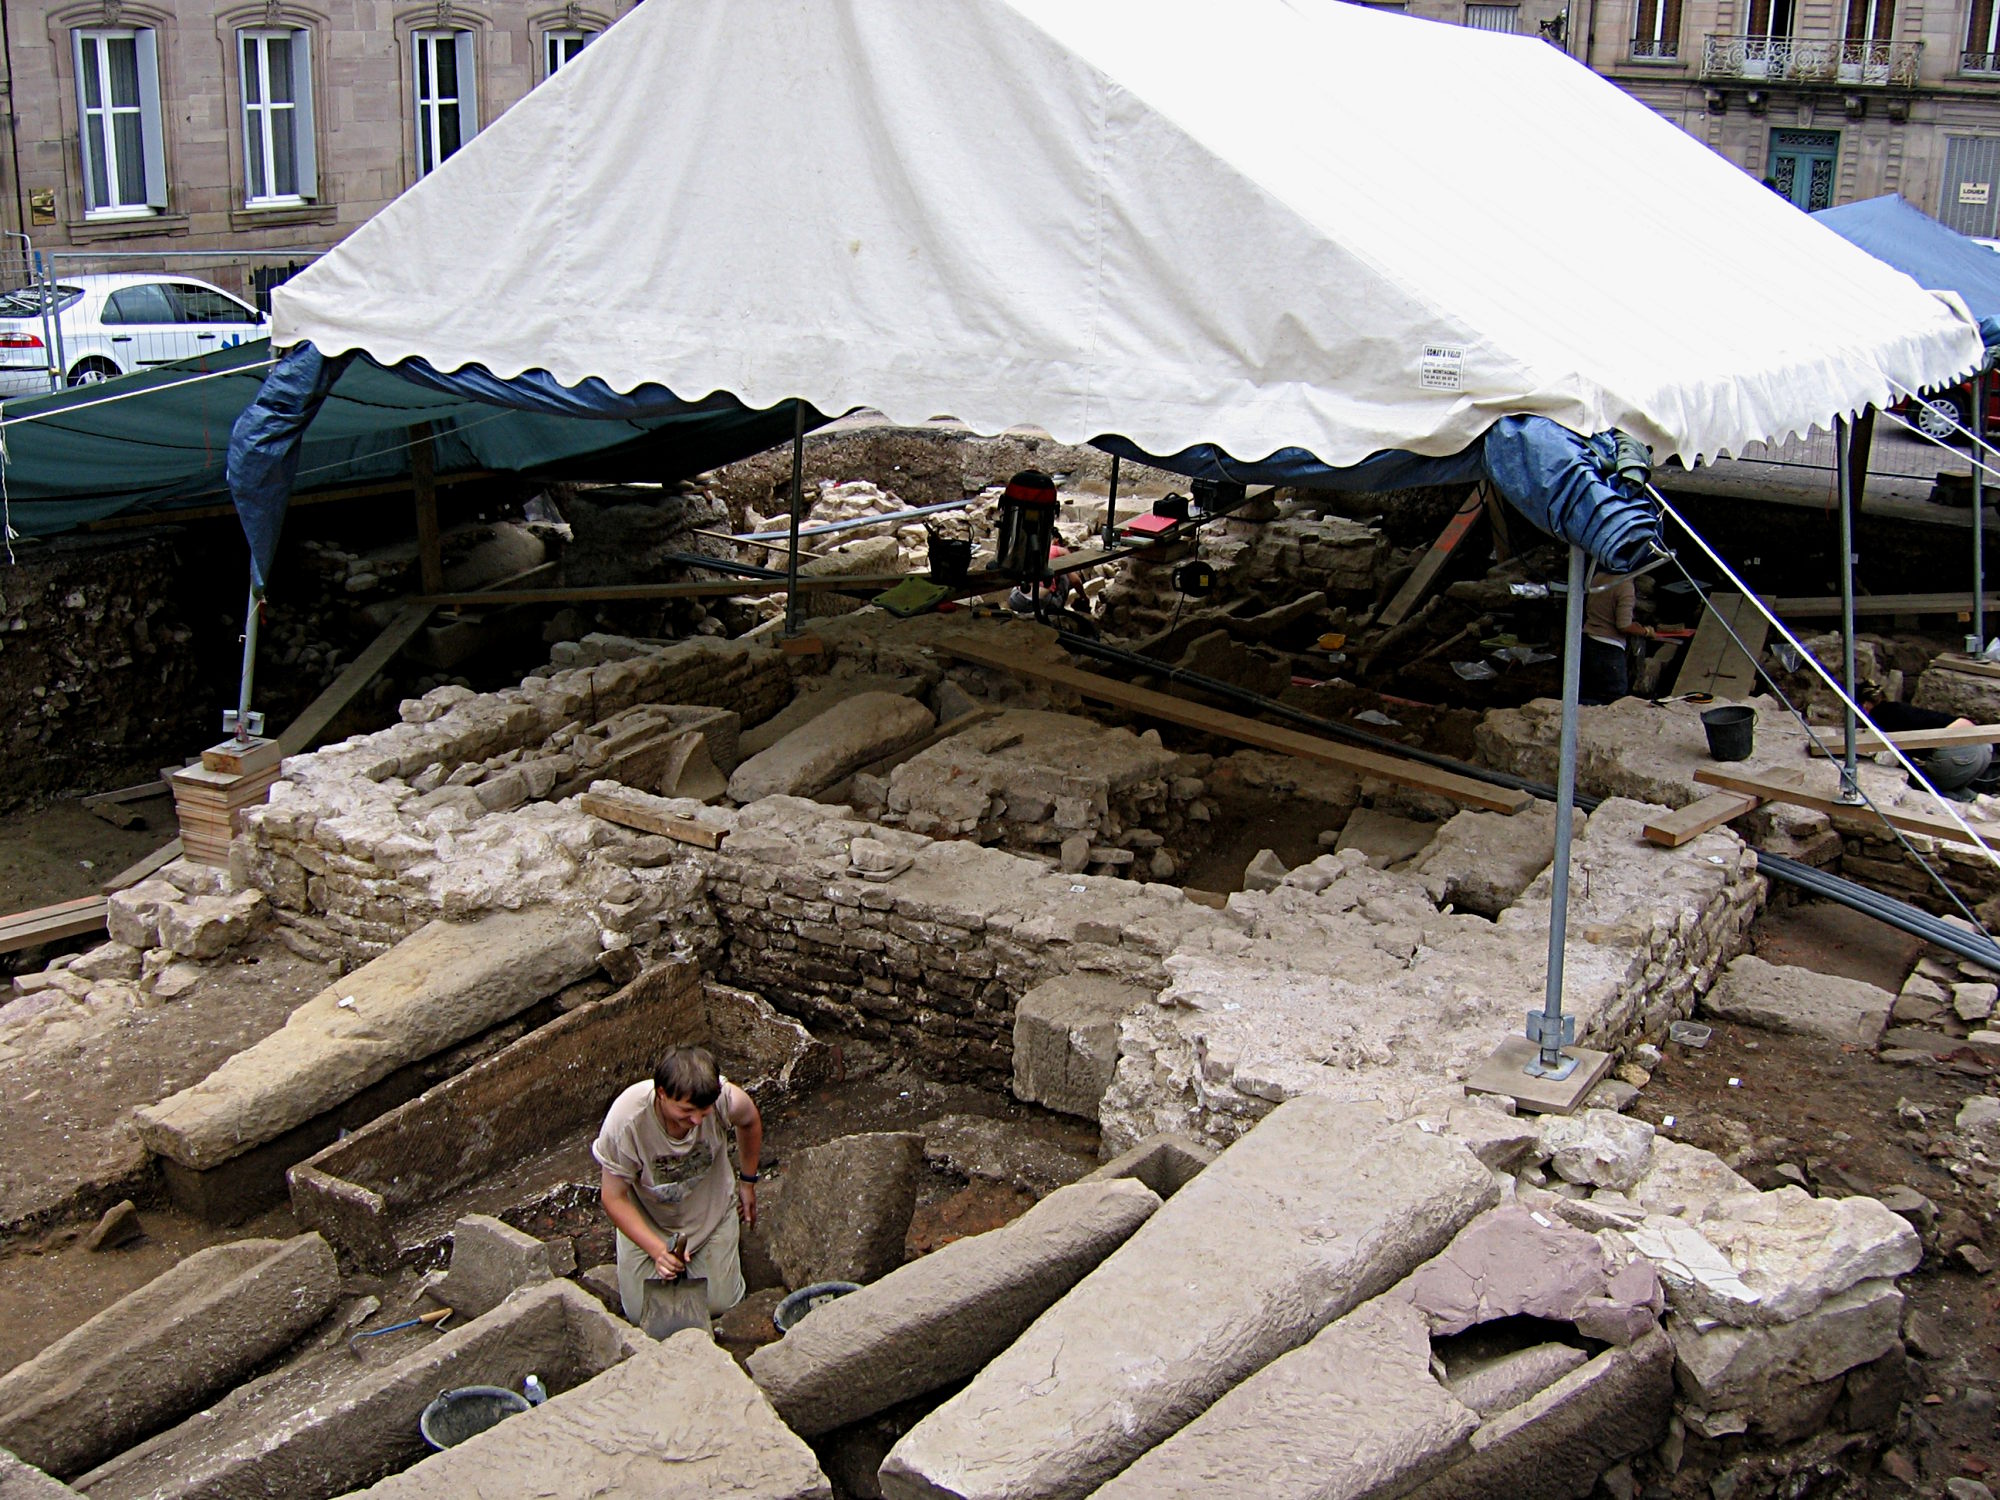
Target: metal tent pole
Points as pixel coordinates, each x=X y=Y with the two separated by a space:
x=1978 y=425
x=1549 y=1028
x=798 y=494
x=1111 y=507
x=243 y=719
x=1843 y=478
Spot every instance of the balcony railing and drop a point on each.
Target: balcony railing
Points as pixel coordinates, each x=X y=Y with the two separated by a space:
x=1979 y=62
x=1793 y=60
x=1656 y=48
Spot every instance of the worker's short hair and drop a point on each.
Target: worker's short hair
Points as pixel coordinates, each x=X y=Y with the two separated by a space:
x=688 y=1074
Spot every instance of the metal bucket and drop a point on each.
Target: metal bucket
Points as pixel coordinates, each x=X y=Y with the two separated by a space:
x=467 y=1412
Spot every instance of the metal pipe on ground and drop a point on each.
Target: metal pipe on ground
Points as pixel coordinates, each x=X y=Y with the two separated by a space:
x=1897 y=914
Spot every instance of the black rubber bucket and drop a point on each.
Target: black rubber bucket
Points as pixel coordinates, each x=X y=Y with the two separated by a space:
x=951 y=558
x=1732 y=730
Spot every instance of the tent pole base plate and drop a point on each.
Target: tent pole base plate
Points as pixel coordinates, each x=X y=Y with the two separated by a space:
x=1505 y=1073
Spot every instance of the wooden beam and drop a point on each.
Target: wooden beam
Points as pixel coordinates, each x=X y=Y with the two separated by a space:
x=1970 y=666
x=158 y=860
x=309 y=497
x=45 y=924
x=724 y=589
x=645 y=819
x=1697 y=818
x=139 y=793
x=1908 y=739
x=1877 y=604
x=300 y=734
x=423 y=482
x=1248 y=731
x=1714 y=662
x=1858 y=814
x=1425 y=574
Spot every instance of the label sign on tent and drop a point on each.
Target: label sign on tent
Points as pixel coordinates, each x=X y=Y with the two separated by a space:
x=1442 y=367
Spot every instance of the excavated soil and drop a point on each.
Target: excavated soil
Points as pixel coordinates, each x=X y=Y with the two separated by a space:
x=1792 y=1109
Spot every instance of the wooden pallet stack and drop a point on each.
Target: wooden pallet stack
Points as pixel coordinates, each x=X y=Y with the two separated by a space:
x=234 y=774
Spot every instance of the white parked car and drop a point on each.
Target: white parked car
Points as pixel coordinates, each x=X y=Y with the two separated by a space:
x=114 y=325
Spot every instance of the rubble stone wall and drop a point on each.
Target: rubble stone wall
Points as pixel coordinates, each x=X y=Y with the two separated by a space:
x=96 y=680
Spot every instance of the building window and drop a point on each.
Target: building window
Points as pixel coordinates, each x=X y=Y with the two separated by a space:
x=1982 y=38
x=559 y=47
x=1490 y=17
x=1656 y=29
x=277 y=118
x=119 y=123
x=446 y=96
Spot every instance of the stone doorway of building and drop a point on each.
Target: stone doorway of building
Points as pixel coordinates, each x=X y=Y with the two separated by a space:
x=1802 y=166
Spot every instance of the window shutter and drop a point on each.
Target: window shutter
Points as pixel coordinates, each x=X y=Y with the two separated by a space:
x=305 y=141
x=152 y=120
x=83 y=120
x=468 y=85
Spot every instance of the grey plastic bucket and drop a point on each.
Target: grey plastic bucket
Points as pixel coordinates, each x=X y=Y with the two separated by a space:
x=1731 y=730
x=467 y=1412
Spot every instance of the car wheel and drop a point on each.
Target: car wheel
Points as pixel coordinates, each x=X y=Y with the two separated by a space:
x=93 y=373
x=1940 y=418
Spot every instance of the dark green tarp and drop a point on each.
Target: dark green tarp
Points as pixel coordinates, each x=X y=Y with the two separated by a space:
x=156 y=441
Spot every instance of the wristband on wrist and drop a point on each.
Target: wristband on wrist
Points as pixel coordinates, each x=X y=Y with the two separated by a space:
x=746 y=1177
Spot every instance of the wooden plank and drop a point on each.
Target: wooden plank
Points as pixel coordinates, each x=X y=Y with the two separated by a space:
x=1424 y=575
x=308 y=497
x=1771 y=788
x=155 y=788
x=1907 y=739
x=1715 y=663
x=1878 y=604
x=303 y=731
x=1496 y=516
x=242 y=757
x=872 y=583
x=649 y=820
x=1697 y=818
x=32 y=929
x=158 y=860
x=423 y=485
x=1970 y=666
x=1248 y=731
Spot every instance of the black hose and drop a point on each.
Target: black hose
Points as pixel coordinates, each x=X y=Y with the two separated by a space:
x=1898 y=914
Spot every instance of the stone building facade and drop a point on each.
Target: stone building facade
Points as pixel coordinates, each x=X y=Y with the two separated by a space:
x=1828 y=100
x=171 y=125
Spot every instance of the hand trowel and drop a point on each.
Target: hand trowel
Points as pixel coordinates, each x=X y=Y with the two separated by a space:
x=670 y=1306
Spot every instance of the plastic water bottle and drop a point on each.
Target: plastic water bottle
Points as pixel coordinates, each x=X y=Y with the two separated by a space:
x=534 y=1390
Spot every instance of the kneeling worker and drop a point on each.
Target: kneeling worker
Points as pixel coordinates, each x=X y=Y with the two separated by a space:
x=1950 y=769
x=664 y=1149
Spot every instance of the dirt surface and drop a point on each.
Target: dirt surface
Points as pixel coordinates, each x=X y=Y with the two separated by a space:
x=66 y=1095
x=1838 y=1121
x=1250 y=824
x=62 y=851
x=51 y=1285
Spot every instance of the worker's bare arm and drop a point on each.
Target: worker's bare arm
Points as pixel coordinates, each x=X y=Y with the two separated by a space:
x=631 y=1219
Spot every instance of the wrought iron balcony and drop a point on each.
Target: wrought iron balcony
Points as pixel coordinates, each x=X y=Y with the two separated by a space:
x=1979 y=62
x=1797 y=60
x=1655 y=48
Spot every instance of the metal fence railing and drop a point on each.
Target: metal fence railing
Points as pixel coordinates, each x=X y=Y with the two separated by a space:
x=79 y=317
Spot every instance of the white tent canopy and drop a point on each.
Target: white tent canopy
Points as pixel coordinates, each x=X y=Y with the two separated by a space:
x=1258 y=224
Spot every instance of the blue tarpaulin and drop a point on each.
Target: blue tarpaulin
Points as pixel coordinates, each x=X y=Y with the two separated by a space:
x=1938 y=259
x=1590 y=491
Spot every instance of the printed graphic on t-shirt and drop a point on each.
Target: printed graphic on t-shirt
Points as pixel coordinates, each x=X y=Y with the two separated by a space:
x=671 y=1178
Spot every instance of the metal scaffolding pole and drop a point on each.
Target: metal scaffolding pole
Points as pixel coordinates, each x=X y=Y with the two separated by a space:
x=1844 y=479
x=1978 y=425
x=798 y=500
x=244 y=721
x=1549 y=1028
x=1111 y=507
